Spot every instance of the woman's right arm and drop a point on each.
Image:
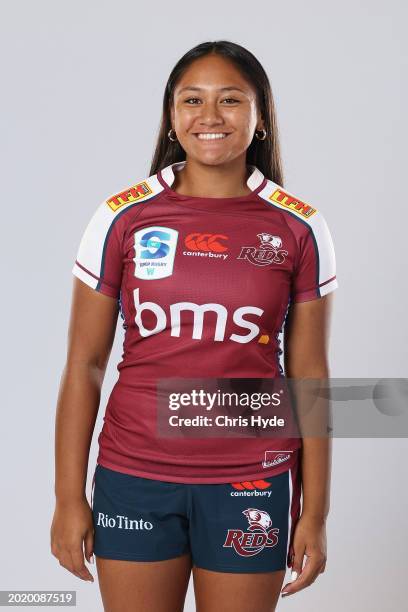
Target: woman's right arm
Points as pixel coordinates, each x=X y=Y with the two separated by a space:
x=91 y=333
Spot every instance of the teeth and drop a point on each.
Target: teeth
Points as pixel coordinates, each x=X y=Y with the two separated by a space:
x=210 y=136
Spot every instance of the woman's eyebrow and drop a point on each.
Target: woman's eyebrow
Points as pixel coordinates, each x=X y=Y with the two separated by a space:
x=191 y=88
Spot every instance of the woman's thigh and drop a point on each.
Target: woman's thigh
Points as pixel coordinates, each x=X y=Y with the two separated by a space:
x=138 y=586
x=141 y=542
x=232 y=592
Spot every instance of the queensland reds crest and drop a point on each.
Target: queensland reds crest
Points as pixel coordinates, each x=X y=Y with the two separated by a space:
x=269 y=251
x=260 y=534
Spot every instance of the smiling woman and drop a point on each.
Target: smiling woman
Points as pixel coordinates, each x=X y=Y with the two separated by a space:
x=214 y=113
x=206 y=259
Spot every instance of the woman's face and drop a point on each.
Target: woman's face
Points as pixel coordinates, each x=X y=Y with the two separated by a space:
x=213 y=97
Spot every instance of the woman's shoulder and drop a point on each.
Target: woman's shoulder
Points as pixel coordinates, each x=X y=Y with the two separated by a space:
x=301 y=216
x=140 y=189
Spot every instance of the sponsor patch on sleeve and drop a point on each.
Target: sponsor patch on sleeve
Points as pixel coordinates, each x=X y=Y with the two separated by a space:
x=283 y=199
x=131 y=194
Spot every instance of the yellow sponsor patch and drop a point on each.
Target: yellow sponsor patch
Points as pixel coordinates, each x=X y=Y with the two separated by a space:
x=132 y=194
x=287 y=201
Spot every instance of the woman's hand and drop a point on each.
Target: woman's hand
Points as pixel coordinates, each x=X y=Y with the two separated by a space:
x=72 y=526
x=309 y=539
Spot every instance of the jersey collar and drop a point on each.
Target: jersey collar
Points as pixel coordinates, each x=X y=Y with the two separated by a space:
x=166 y=176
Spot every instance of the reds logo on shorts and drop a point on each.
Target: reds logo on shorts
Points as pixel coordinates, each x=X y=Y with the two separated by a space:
x=260 y=534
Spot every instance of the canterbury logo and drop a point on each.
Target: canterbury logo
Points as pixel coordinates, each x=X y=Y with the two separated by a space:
x=251 y=485
x=132 y=194
x=206 y=242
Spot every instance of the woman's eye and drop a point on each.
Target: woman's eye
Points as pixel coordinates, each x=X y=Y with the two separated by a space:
x=231 y=99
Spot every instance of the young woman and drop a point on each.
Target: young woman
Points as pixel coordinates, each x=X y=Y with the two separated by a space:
x=206 y=260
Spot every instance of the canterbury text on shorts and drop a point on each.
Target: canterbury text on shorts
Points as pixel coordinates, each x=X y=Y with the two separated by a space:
x=230 y=527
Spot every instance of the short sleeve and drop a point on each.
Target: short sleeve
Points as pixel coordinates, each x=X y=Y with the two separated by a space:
x=99 y=258
x=315 y=273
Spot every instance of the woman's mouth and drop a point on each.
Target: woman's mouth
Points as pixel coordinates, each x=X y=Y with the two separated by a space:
x=211 y=136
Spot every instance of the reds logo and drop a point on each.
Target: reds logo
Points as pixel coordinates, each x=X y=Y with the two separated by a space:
x=260 y=534
x=268 y=252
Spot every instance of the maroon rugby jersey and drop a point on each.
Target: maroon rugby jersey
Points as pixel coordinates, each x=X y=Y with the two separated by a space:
x=204 y=286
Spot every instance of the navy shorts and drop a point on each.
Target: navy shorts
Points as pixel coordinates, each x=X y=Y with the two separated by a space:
x=229 y=527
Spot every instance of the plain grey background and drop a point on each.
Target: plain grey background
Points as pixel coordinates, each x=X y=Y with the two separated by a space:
x=82 y=86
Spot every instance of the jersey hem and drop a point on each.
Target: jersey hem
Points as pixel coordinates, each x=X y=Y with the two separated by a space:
x=284 y=467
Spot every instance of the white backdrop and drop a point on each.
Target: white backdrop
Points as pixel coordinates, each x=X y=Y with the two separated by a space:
x=82 y=86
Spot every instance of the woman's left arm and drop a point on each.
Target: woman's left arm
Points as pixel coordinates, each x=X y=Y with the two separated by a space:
x=306 y=357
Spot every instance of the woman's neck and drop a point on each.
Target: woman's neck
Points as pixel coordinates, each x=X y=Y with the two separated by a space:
x=198 y=180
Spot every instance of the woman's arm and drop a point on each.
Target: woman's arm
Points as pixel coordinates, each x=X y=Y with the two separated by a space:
x=90 y=338
x=306 y=357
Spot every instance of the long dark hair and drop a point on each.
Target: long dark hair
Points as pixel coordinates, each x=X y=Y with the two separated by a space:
x=264 y=154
